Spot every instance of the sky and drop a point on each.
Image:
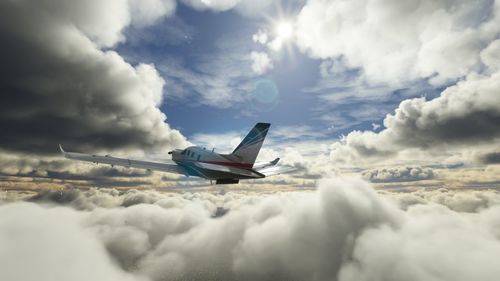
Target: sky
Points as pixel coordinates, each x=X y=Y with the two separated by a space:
x=388 y=109
x=400 y=93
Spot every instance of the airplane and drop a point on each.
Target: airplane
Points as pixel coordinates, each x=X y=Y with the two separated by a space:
x=200 y=162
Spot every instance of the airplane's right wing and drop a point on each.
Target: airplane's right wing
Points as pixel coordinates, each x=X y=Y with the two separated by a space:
x=270 y=168
x=276 y=170
x=171 y=168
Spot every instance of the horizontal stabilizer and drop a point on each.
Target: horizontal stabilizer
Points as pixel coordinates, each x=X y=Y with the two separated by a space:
x=261 y=165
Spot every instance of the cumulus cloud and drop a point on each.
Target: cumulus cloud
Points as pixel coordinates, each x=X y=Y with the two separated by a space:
x=249 y=8
x=148 y=12
x=463 y=114
x=401 y=40
x=398 y=174
x=471 y=201
x=217 y=5
x=342 y=231
x=59 y=85
x=261 y=62
x=260 y=37
x=49 y=245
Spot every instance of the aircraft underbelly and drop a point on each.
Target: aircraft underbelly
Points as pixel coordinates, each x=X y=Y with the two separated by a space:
x=193 y=170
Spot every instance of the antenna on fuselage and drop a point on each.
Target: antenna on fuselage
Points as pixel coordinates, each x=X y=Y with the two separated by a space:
x=213 y=149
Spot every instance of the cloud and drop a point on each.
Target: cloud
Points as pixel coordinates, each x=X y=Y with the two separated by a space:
x=342 y=231
x=472 y=201
x=218 y=5
x=490 y=158
x=463 y=114
x=147 y=12
x=261 y=62
x=223 y=143
x=221 y=79
x=260 y=37
x=400 y=40
x=173 y=31
x=61 y=84
x=398 y=174
x=52 y=246
x=252 y=8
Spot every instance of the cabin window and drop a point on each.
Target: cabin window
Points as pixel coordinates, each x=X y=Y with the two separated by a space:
x=199 y=157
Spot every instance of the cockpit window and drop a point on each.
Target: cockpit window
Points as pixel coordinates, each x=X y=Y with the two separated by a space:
x=183 y=152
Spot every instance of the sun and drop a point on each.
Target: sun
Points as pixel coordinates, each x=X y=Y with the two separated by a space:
x=284 y=30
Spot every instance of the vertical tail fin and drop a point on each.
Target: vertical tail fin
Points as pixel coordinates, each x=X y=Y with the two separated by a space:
x=249 y=148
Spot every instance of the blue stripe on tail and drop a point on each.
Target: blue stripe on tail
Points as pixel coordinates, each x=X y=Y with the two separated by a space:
x=248 y=149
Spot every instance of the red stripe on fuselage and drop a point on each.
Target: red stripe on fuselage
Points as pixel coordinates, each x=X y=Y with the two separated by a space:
x=229 y=164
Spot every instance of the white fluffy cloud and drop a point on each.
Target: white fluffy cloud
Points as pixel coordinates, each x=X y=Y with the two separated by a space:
x=394 y=41
x=48 y=244
x=260 y=37
x=250 y=8
x=465 y=113
x=261 y=62
x=398 y=174
x=147 y=12
x=344 y=231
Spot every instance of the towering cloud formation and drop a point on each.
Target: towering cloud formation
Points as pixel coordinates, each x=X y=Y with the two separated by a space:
x=60 y=83
x=344 y=231
x=465 y=113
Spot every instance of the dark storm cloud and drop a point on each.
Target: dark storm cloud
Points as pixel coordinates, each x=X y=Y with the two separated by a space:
x=490 y=158
x=344 y=231
x=58 y=86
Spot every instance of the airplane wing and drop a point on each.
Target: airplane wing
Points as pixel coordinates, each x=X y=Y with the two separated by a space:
x=276 y=170
x=270 y=168
x=231 y=170
x=171 y=168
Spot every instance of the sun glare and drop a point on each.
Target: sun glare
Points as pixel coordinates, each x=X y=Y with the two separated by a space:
x=284 y=30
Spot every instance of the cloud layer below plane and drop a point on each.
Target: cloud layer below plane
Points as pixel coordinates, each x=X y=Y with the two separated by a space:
x=343 y=231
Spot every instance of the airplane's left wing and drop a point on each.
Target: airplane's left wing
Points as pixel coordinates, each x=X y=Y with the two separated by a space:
x=170 y=168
